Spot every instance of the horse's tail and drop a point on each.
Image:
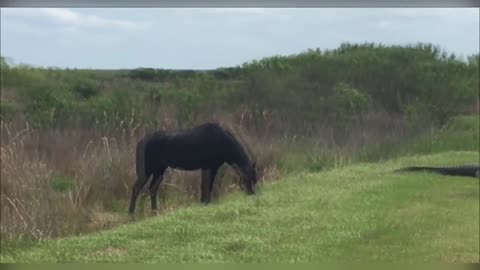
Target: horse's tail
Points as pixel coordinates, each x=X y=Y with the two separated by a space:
x=140 y=159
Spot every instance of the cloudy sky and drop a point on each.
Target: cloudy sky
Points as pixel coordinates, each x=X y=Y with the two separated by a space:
x=205 y=38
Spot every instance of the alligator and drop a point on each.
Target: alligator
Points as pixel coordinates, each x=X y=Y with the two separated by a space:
x=462 y=170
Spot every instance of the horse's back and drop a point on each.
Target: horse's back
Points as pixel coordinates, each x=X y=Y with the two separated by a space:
x=202 y=146
x=208 y=129
x=204 y=134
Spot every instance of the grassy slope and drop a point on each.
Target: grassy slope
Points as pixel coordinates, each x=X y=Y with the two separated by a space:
x=362 y=212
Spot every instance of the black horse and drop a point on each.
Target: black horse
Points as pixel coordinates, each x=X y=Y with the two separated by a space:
x=206 y=147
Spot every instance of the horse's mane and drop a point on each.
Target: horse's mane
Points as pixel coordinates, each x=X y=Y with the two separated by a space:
x=243 y=149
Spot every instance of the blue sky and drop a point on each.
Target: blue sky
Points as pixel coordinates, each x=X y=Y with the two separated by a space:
x=205 y=38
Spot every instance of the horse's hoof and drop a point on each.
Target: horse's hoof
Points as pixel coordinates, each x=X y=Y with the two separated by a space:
x=155 y=212
x=131 y=217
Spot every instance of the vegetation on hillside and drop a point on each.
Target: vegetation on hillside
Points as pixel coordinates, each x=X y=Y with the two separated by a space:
x=298 y=91
x=68 y=136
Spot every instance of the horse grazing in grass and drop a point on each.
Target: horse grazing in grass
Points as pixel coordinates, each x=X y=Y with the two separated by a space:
x=206 y=147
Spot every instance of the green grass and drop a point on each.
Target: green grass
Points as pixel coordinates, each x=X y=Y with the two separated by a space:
x=363 y=212
x=461 y=133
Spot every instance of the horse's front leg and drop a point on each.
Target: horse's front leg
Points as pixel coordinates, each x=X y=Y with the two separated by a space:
x=205 y=187
x=208 y=178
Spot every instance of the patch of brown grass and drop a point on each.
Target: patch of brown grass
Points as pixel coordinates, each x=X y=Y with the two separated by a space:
x=99 y=170
x=96 y=170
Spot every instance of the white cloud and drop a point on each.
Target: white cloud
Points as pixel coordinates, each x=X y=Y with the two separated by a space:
x=71 y=19
x=60 y=15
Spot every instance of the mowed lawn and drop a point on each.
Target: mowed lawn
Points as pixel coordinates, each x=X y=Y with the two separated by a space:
x=363 y=212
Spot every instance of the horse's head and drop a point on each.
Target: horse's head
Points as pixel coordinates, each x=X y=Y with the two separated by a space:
x=251 y=178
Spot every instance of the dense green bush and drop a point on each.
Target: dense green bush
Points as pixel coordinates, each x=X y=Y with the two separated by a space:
x=330 y=86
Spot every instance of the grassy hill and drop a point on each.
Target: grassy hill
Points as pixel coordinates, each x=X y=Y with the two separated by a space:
x=361 y=212
x=68 y=141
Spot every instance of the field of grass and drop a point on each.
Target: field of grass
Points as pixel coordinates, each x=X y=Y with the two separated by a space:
x=326 y=128
x=363 y=212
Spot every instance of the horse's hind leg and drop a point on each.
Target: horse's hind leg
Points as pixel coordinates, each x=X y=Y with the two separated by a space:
x=137 y=187
x=156 y=181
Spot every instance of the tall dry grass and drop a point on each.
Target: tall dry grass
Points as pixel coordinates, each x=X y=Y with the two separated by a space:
x=93 y=168
x=68 y=181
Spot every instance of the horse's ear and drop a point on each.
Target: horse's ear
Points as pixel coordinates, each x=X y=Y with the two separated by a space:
x=254 y=165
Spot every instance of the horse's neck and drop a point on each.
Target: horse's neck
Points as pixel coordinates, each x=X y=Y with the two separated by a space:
x=243 y=164
x=241 y=159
